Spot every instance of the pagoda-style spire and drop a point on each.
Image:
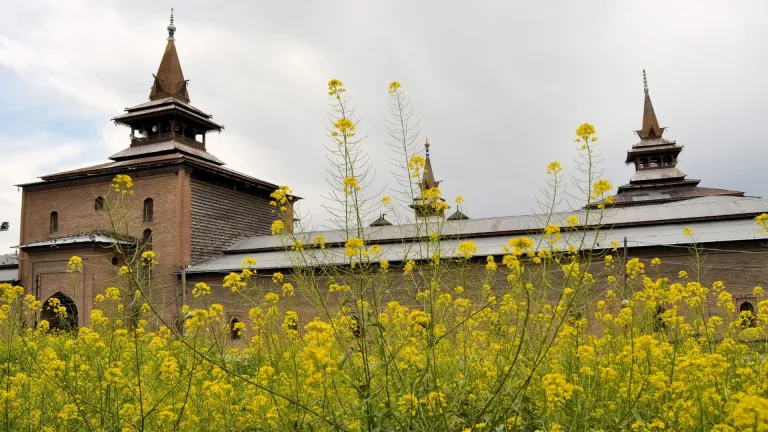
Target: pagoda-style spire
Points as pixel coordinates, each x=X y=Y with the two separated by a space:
x=167 y=123
x=427 y=205
x=651 y=129
x=169 y=80
x=657 y=178
x=428 y=180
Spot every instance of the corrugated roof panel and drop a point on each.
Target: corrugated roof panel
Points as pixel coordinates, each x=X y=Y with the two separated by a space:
x=704 y=207
x=9 y=260
x=9 y=275
x=637 y=236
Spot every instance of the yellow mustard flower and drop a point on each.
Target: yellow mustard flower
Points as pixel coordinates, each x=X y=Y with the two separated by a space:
x=554 y=167
x=278 y=227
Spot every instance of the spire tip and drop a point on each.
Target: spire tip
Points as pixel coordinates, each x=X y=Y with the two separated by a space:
x=645 y=82
x=171 y=28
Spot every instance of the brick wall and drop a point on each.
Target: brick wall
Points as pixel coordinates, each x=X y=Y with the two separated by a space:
x=741 y=267
x=46 y=274
x=222 y=215
x=74 y=203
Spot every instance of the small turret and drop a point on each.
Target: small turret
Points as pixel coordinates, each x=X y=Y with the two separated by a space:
x=429 y=203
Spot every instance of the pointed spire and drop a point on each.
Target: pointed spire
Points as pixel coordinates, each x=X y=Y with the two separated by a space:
x=169 y=81
x=428 y=181
x=428 y=204
x=651 y=127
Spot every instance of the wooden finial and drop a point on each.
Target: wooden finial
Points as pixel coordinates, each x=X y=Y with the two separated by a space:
x=645 y=82
x=171 y=27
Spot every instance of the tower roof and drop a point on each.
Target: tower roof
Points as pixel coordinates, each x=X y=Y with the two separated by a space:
x=651 y=128
x=458 y=215
x=381 y=221
x=428 y=180
x=427 y=207
x=169 y=80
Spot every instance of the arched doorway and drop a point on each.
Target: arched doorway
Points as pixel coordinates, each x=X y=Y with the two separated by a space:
x=57 y=320
x=747 y=320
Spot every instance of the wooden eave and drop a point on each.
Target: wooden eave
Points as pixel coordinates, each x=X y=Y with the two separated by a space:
x=172 y=110
x=155 y=162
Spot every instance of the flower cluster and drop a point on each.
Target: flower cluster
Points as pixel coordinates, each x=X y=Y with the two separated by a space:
x=122 y=184
x=281 y=196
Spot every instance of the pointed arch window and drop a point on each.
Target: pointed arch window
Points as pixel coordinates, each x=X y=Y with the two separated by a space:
x=149 y=210
x=147 y=239
x=98 y=203
x=54 y=222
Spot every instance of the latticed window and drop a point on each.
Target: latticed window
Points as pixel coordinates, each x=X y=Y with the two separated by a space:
x=149 y=210
x=98 y=203
x=147 y=239
x=54 y=222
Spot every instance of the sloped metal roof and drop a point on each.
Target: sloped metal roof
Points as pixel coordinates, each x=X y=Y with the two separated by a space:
x=9 y=260
x=711 y=207
x=75 y=239
x=166 y=101
x=161 y=147
x=152 y=161
x=205 y=119
x=8 y=275
x=637 y=236
x=638 y=194
x=713 y=219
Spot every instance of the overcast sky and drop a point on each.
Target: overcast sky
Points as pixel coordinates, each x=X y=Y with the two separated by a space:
x=499 y=86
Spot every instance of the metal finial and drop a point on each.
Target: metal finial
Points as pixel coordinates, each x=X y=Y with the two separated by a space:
x=427 y=144
x=645 y=82
x=171 y=28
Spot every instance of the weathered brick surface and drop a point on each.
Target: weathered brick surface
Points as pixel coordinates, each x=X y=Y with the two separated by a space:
x=74 y=203
x=742 y=267
x=194 y=218
x=46 y=274
x=222 y=215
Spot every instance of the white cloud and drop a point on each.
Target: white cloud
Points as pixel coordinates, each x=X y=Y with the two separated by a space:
x=13 y=55
x=499 y=88
x=32 y=157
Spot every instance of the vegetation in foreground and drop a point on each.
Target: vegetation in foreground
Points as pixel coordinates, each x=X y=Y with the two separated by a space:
x=531 y=341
